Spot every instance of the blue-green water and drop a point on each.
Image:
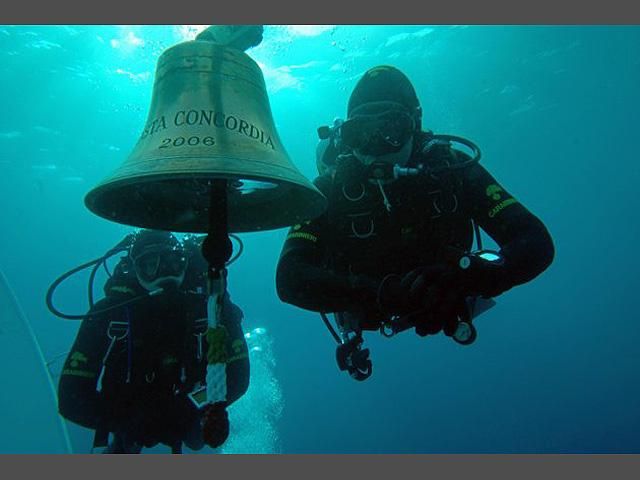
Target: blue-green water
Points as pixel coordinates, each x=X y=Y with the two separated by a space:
x=555 y=111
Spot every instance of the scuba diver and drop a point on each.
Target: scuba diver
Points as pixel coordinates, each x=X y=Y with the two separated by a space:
x=136 y=372
x=394 y=250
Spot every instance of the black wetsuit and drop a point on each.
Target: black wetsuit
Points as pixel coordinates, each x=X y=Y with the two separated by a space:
x=148 y=373
x=335 y=262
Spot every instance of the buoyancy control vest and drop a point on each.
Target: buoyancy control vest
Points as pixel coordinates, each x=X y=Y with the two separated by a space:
x=401 y=223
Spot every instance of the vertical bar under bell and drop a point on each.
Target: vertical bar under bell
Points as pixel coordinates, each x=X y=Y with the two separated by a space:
x=217 y=250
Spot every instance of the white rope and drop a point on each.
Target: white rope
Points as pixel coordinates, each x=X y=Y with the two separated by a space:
x=216 y=372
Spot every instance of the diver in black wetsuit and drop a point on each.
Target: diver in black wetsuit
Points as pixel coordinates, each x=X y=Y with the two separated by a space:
x=133 y=369
x=396 y=239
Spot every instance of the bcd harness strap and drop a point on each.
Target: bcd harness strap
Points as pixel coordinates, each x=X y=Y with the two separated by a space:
x=116 y=331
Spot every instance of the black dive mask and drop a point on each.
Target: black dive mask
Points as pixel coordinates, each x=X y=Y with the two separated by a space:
x=378 y=134
x=161 y=262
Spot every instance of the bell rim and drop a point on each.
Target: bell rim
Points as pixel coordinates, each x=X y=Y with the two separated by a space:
x=149 y=177
x=315 y=205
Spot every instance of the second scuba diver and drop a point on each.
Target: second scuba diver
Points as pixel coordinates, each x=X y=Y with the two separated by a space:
x=136 y=371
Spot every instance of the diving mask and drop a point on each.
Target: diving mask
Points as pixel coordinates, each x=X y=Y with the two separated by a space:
x=159 y=265
x=378 y=134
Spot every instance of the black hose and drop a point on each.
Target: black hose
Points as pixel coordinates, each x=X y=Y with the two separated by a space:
x=58 y=313
x=468 y=143
x=92 y=277
x=121 y=246
x=106 y=268
x=453 y=138
x=58 y=281
x=330 y=327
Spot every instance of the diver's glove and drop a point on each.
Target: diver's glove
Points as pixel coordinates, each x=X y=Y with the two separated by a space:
x=433 y=298
x=215 y=424
x=400 y=295
x=442 y=302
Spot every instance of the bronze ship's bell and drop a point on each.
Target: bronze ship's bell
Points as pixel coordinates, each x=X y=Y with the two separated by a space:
x=209 y=119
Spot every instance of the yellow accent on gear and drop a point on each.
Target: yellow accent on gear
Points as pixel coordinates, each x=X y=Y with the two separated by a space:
x=237 y=357
x=78 y=373
x=121 y=289
x=79 y=357
x=217 y=340
x=493 y=191
x=302 y=236
x=169 y=360
x=501 y=206
x=238 y=346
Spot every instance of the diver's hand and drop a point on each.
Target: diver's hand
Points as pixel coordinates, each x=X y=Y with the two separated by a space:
x=400 y=295
x=441 y=292
x=428 y=297
x=215 y=424
x=433 y=297
x=444 y=307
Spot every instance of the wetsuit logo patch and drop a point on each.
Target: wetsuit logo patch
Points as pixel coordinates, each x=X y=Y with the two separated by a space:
x=493 y=191
x=298 y=226
x=239 y=350
x=74 y=362
x=76 y=359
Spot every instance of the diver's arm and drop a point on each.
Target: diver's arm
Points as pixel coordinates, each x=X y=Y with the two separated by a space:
x=524 y=241
x=302 y=279
x=237 y=369
x=78 y=400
